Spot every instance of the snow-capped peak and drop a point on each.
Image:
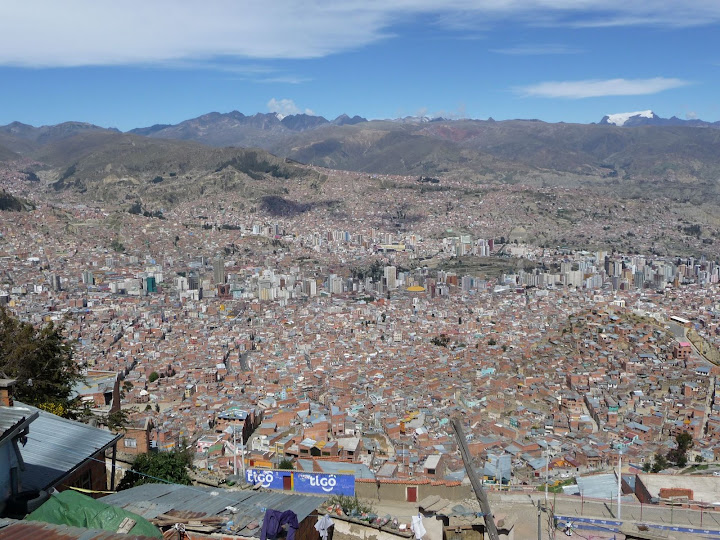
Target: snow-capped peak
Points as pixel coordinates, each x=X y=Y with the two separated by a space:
x=619 y=119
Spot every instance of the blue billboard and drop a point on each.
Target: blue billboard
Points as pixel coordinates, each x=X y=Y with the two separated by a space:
x=330 y=484
x=303 y=482
x=266 y=478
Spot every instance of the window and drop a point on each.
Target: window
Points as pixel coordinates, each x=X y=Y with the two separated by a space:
x=130 y=443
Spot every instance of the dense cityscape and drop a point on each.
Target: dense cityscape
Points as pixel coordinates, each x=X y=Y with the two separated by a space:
x=359 y=270
x=316 y=336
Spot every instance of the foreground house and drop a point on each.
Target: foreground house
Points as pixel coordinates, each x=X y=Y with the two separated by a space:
x=46 y=451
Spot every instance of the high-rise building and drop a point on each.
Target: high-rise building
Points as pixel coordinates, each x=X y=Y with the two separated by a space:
x=55 y=282
x=390 y=277
x=219 y=270
x=150 y=284
x=88 y=278
x=193 y=282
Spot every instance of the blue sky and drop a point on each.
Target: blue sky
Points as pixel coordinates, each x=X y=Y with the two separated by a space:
x=138 y=62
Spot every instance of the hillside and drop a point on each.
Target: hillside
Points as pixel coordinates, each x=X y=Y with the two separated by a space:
x=23 y=138
x=237 y=129
x=384 y=147
x=158 y=173
x=6 y=154
x=508 y=151
x=10 y=203
x=678 y=162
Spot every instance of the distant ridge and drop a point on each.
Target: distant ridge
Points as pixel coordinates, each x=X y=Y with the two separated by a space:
x=344 y=120
x=649 y=118
x=20 y=138
x=237 y=129
x=485 y=149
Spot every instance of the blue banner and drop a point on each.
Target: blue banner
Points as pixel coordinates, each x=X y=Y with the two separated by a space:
x=266 y=478
x=324 y=484
x=303 y=482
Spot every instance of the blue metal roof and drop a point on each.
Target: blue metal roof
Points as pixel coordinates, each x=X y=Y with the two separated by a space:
x=56 y=446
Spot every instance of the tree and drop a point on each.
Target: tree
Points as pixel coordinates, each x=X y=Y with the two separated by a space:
x=41 y=359
x=154 y=376
x=125 y=388
x=678 y=455
x=157 y=468
x=684 y=441
x=286 y=464
x=116 y=245
x=659 y=463
x=115 y=421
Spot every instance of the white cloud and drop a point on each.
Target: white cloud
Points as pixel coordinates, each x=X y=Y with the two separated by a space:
x=285 y=107
x=46 y=33
x=691 y=115
x=598 y=88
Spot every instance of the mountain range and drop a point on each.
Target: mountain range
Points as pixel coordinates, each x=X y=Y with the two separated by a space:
x=237 y=129
x=649 y=118
x=661 y=158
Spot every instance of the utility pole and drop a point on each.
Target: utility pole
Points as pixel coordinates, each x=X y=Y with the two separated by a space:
x=619 y=482
x=242 y=453
x=476 y=484
x=234 y=453
x=547 y=473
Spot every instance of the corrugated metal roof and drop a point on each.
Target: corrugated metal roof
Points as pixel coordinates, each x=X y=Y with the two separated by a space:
x=151 y=500
x=36 y=530
x=56 y=446
x=599 y=486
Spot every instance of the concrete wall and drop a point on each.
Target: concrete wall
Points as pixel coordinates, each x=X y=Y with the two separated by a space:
x=475 y=532
x=397 y=492
x=345 y=530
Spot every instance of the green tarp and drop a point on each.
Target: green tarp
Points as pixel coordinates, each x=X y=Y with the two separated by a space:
x=78 y=510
